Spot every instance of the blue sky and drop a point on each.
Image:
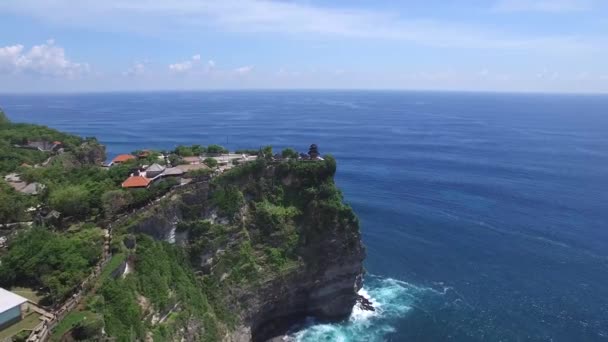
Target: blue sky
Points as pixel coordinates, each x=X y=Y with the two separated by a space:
x=492 y=45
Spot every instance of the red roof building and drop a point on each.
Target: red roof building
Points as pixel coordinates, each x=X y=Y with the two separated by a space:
x=136 y=182
x=122 y=158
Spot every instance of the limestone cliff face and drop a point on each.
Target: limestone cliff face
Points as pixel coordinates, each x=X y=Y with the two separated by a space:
x=324 y=287
x=323 y=255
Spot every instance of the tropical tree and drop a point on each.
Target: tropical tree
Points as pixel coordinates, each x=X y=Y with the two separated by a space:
x=211 y=162
x=71 y=200
x=289 y=153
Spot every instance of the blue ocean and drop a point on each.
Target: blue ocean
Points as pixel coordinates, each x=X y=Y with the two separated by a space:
x=485 y=215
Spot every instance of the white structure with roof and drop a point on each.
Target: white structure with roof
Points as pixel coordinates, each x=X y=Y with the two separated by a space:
x=10 y=308
x=154 y=170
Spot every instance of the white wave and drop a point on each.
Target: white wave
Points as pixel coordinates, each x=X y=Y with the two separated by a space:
x=392 y=300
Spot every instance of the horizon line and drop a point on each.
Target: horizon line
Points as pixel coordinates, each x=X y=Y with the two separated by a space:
x=210 y=90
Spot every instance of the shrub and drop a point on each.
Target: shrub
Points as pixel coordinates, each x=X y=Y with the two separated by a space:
x=199 y=174
x=211 y=162
x=39 y=257
x=71 y=200
x=216 y=149
x=229 y=200
x=248 y=151
x=115 y=201
x=289 y=153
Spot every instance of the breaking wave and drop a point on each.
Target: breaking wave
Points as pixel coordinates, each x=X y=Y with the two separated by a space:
x=392 y=300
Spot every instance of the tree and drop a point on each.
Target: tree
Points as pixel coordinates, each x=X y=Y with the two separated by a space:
x=197 y=150
x=267 y=152
x=216 y=149
x=88 y=329
x=184 y=151
x=115 y=201
x=211 y=162
x=229 y=200
x=289 y=153
x=199 y=174
x=3 y=118
x=12 y=204
x=175 y=160
x=71 y=200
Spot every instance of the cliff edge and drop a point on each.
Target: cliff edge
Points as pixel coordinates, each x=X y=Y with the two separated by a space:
x=270 y=243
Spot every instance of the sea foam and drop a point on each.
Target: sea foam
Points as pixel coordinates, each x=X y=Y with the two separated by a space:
x=392 y=300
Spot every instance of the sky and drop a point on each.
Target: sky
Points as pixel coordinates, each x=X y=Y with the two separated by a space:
x=460 y=45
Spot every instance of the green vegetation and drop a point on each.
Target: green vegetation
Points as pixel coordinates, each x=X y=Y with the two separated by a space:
x=115 y=201
x=84 y=325
x=140 y=197
x=229 y=200
x=268 y=213
x=3 y=119
x=112 y=265
x=211 y=162
x=22 y=328
x=250 y=152
x=289 y=153
x=31 y=294
x=197 y=150
x=71 y=200
x=216 y=149
x=163 y=277
x=13 y=204
x=57 y=262
x=277 y=222
x=200 y=174
x=16 y=134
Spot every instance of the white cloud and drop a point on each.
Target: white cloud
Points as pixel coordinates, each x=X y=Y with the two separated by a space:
x=137 y=69
x=181 y=67
x=185 y=66
x=244 y=70
x=295 y=18
x=46 y=60
x=193 y=65
x=543 y=5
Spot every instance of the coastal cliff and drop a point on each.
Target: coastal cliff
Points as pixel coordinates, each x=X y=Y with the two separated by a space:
x=272 y=242
x=234 y=252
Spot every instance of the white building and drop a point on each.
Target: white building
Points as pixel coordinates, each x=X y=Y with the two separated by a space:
x=10 y=308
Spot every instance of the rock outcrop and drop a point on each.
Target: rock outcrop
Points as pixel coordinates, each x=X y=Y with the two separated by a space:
x=313 y=235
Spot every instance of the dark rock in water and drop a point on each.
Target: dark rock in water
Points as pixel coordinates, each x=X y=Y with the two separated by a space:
x=365 y=303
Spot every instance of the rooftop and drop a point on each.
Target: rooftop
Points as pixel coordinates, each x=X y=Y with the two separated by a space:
x=9 y=300
x=136 y=182
x=173 y=171
x=121 y=158
x=155 y=168
x=186 y=168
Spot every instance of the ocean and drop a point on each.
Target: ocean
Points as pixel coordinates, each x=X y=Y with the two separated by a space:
x=485 y=215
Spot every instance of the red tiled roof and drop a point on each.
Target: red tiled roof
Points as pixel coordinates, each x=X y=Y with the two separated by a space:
x=122 y=158
x=136 y=182
x=57 y=142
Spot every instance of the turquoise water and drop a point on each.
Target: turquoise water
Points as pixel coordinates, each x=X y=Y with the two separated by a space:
x=485 y=215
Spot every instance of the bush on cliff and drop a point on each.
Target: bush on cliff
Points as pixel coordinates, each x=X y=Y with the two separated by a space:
x=58 y=262
x=229 y=200
x=71 y=200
